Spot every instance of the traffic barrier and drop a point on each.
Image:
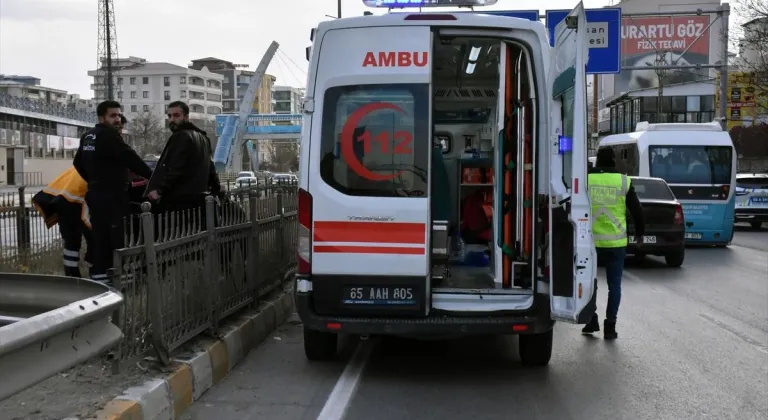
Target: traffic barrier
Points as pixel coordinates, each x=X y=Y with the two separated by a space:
x=169 y=397
x=68 y=323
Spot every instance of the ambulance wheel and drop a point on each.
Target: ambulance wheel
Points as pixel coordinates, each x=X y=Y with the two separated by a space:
x=675 y=258
x=535 y=349
x=319 y=345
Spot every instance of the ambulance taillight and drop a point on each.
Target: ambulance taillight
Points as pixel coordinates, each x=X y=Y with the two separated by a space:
x=304 y=252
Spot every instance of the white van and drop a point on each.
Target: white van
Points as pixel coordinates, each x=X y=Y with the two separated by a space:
x=405 y=116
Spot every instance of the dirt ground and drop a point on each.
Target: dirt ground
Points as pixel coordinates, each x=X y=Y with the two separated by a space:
x=79 y=392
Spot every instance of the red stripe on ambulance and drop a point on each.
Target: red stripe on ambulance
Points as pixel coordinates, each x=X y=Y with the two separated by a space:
x=396 y=59
x=370 y=232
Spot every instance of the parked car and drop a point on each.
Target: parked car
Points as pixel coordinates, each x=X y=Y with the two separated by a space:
x=752 y=199
x=664 y=222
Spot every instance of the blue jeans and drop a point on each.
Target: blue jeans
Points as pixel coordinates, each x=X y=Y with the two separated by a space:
x=614 y=268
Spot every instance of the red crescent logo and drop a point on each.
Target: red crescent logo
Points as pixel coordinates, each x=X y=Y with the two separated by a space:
x=348 y=140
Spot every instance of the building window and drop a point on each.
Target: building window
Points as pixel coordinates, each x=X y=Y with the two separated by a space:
x=133 y=95
x=133 y=80
x=120 y=95
x=134 y=108
x=145 y=80
x=145 y=94
x=146 y=108
x=167 y=95
x=226 y=92
x=183 y=93
x=183 y=80
x=166 y=81
x=119 y=80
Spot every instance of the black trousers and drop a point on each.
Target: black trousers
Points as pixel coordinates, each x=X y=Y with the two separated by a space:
x=72 y=230
x=108 y=211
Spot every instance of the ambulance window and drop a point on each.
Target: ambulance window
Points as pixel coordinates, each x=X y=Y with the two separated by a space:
x=375 y=140
x=568 y=100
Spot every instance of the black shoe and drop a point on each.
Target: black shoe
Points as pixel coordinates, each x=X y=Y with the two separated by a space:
x=592 y=327
x=609 y=332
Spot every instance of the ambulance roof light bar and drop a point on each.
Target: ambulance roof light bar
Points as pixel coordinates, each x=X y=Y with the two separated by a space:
x=395 y=4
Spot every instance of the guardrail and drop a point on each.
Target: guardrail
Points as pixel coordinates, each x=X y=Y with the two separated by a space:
x=49 y=324
x=183 y=272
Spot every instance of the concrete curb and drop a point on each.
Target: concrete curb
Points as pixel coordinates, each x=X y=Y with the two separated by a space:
x=169 y=397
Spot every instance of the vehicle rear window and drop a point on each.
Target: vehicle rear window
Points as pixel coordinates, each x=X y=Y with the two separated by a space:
x=649 y=189
x=692 y=164
x=753 y=183
x=375 y=140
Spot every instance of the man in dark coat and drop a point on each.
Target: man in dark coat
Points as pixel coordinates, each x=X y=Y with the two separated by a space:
x=184 y=174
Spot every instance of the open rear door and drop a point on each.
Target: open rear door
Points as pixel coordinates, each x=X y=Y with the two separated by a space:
x=573 y=259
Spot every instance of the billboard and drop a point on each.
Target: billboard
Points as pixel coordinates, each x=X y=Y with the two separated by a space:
x=741 y=103
x=684 y=39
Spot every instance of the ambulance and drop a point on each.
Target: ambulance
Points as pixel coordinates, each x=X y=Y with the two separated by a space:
x=417 y=126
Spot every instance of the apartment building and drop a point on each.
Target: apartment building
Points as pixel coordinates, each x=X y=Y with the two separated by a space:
x=236 y=81
x=287 y=99
x=144 y=86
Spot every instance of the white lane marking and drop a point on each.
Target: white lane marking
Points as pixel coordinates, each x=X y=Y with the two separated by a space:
x=338 y=402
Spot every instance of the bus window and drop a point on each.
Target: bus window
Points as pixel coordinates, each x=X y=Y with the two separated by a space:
x=691 y=164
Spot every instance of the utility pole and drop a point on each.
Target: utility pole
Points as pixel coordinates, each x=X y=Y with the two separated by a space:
x=661 y=73
x=726 y=11
x=339 y=7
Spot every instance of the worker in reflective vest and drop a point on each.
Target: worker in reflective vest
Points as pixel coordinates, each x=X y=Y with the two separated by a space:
x=611 y=194
x=62 y=203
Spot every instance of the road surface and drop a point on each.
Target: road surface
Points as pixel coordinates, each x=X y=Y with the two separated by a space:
x=693 y=344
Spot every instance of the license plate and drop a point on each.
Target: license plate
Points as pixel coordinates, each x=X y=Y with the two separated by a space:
x=380 y=296
x=646 y=239
x=693 y=236
x=760 y=200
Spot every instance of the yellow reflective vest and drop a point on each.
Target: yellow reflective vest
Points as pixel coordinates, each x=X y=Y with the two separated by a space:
x=68 y=189
x=608 y=195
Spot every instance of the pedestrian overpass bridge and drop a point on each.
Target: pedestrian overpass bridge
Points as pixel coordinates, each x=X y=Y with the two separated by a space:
x=258 y=127
x=255 y=131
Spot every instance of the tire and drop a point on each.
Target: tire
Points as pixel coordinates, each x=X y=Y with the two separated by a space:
x=756 y=225
x=319 y=345
x=676 y=258
x=535 y=349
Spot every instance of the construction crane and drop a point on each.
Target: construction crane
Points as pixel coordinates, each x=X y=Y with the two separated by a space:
x=228 y=154
x=107 y=49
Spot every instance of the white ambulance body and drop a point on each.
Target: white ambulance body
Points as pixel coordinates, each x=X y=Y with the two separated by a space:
x=405 y=116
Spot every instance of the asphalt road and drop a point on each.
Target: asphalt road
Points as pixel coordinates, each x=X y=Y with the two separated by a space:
x=693 y=344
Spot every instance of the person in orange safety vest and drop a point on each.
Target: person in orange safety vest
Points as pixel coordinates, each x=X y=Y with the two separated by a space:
x=62 y=203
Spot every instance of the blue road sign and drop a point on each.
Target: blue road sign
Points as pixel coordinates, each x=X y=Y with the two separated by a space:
x=604 y=38
x=521 y=14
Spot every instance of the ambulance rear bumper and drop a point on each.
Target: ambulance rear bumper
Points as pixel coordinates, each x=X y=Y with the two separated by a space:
x=533 y=321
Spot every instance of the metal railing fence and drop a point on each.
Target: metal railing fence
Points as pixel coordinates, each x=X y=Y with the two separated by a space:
x=183 y=272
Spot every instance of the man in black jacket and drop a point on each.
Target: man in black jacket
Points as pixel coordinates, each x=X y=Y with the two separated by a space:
x=104 y=161
x=185 y=173
x=612 y=195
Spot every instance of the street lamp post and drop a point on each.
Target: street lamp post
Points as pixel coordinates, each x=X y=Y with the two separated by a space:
x=338 y=3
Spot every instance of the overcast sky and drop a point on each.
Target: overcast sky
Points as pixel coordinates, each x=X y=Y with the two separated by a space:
x=55 y=40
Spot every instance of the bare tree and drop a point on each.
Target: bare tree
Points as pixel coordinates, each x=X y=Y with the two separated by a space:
x=283 y=157
x=148 y=133
x=750 y=38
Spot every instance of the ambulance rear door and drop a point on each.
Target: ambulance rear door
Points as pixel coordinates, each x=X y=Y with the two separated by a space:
x=369 y=171
x=572 y=253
